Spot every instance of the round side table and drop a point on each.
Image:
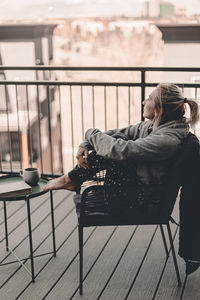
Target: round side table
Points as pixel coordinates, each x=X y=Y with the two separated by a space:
x=37 y=190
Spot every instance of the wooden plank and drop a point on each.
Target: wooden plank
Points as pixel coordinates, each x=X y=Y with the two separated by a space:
x=168 y=288
x=55 y=268
x=93 y=253
x=23 y=249
x=114 y=258
x=147 y=280
x=21 y=278
x=152 y=268
x=66 y=267
x=18 y=225
x=192 y=287
x=112 y=269
x=20 y=217
x=12 y=207
x=1 y=206
x=16 y=238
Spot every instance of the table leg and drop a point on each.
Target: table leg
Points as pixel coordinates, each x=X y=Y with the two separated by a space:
x=30 y=238
x=5 y=224
x=53 y=225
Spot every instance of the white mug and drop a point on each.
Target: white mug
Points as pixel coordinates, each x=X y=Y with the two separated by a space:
x=30 y=175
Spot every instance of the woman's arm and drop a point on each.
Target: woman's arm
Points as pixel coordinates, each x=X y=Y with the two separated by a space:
x=126 y=133
x=154 y=147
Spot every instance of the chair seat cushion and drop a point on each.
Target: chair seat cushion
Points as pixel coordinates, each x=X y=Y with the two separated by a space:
x=95 y=211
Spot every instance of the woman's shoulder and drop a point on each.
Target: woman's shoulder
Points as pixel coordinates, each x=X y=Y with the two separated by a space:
x=146 y=127
x=140 y=129
x=142 y=124
x=175 y=128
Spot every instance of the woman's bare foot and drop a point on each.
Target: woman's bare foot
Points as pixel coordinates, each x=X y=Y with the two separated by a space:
x=63 y=182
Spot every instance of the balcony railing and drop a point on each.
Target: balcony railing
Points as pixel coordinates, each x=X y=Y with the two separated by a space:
x=45 y=110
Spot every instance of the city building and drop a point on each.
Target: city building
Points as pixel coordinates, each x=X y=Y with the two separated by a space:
x=167 y=9
x=158 y=9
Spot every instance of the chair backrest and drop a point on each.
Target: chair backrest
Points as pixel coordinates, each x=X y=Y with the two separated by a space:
x=176 y=175
x=189 y=240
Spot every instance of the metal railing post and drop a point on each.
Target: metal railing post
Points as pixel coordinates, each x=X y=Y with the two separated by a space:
x=142 y=92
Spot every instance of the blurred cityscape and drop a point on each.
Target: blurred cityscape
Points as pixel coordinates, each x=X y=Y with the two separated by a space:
x=118 y=40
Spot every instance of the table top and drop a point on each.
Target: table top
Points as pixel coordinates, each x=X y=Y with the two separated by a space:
x=37 y=189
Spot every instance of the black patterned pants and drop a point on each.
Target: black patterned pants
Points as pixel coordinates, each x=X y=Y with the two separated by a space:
x=120 y=179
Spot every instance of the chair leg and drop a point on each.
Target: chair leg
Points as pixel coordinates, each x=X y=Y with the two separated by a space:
x=5 y=224
x=80 y=235
x=53 y=224
x=164 y=240
x=173 y=254
x=30 y=238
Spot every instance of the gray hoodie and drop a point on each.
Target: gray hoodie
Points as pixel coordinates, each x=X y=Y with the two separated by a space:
x=152 y=151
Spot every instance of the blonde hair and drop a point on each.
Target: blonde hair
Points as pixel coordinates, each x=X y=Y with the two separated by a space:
x=170 y=105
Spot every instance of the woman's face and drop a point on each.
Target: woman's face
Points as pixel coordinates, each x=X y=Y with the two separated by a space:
x=149 y=107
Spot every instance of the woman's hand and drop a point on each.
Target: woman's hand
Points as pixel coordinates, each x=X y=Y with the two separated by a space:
x=82 y=156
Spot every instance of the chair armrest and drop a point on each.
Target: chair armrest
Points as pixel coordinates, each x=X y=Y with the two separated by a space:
x=92 y=202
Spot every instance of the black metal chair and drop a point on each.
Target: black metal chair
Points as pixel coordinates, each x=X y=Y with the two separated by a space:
x=94 y=209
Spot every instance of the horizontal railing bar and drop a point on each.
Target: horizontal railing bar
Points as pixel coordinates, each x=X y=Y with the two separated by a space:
x=49 y=82
x=53 y=175
x=64 y=68
x=64 y=83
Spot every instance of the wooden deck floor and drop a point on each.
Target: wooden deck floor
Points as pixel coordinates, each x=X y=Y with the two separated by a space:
x=125 y=262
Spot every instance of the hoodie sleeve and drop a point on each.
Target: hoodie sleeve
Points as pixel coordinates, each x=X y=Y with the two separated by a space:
x=155 y=147
x=125 y=133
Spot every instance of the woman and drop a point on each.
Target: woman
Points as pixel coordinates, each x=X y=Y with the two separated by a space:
x=138 y=154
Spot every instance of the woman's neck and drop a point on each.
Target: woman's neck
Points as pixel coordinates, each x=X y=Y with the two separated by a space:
x=155 y=124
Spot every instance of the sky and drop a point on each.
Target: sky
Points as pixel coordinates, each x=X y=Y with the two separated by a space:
x=20 y=9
